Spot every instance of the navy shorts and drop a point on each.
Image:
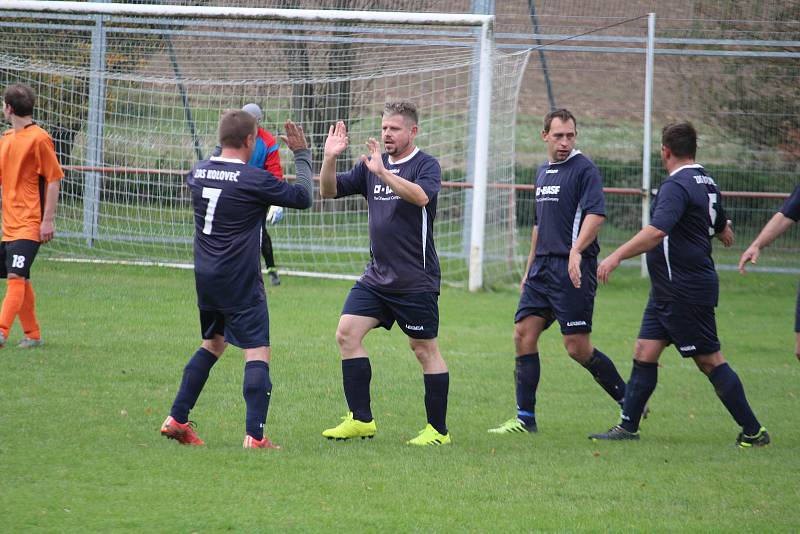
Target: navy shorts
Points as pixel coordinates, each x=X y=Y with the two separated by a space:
x=693 y=329
x=417 y=314
x=16 y=257
x=548 y=292
x=246 y=329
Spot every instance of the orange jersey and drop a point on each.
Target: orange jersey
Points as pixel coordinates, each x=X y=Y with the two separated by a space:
x=28 y=163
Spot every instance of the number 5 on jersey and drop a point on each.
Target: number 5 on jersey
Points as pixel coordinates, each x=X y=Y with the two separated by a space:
x=212 y=194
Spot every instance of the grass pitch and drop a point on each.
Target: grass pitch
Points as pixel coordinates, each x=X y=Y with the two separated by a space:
x=79 y=419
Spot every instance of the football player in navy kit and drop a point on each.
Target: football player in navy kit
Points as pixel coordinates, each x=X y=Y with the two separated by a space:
x=780 y=222
x=401 y=281
x=559 y=281
x=230 y=200
x=686 y=214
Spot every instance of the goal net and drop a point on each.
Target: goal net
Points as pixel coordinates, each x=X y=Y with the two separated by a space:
x=132 y=100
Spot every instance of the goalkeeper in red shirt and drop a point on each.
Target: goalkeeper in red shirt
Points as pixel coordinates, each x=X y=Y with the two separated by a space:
x=265 y=156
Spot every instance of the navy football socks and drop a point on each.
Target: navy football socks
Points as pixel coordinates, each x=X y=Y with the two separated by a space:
x=256 y=390
x=641 y=385
x=194 y=378
x=436 y=389
x=602 y=369
x=356 y=376
x=730 y=391
x=526 y=375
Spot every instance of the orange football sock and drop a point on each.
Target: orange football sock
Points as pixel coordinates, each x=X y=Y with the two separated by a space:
x=27 y=313
x=15 y=295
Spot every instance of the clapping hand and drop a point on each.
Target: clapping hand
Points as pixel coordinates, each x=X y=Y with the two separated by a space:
x=373 y=160
x=294 y=138
x=337 y=141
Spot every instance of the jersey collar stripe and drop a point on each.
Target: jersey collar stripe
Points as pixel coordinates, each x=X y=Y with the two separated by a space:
x=576 y=225
x=666 y=257
x=572 y=154
x=424 y=234
x=405 y=159
x=225 y=160
x=690 y=166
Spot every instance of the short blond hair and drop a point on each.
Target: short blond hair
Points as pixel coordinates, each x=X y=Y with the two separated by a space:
x=406 y=109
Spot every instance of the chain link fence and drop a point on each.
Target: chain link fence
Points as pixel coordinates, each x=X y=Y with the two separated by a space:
x=729 y=67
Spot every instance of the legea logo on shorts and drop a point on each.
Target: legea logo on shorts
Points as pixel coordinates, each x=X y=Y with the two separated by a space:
x=415 y=327
x=576 y=323
x=688 y=347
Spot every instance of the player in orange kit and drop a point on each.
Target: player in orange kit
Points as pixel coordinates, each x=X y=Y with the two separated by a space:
x=30 y=175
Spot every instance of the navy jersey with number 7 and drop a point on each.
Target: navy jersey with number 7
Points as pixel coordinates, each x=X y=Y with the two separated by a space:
x=688 y=208
x=230 y=200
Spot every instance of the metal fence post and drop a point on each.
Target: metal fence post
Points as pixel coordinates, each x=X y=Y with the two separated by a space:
x=648 y=119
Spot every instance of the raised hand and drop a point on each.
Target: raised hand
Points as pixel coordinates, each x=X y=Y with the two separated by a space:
x=337 y=141
x=373 y=159
x=294 y=138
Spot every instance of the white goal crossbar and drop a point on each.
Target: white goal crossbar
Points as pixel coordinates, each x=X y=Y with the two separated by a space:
x=310 y=15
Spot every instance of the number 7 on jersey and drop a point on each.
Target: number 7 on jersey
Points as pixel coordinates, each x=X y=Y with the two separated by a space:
x=212 y=194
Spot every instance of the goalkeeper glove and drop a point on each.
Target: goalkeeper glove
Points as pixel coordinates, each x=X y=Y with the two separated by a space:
x=275 y=214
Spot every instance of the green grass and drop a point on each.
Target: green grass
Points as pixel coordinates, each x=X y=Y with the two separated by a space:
x=79 y=418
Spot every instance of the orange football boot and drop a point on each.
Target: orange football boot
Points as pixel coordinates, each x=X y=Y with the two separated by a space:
x=183 y=433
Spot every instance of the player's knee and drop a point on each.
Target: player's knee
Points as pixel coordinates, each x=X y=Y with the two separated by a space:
x=425 y=352
x=341 y=337
x=420 y=351
x=523 y=337
x=638 y=347
x=215 y=346
x=573 y=351
x=705 y=367
x=706 y=363
x=345 y=337
x=422 y=356
x=518 y=336
x=638 y=350
x=579 y=348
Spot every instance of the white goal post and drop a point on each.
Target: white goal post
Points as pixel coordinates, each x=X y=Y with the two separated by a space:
x=121 y=84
